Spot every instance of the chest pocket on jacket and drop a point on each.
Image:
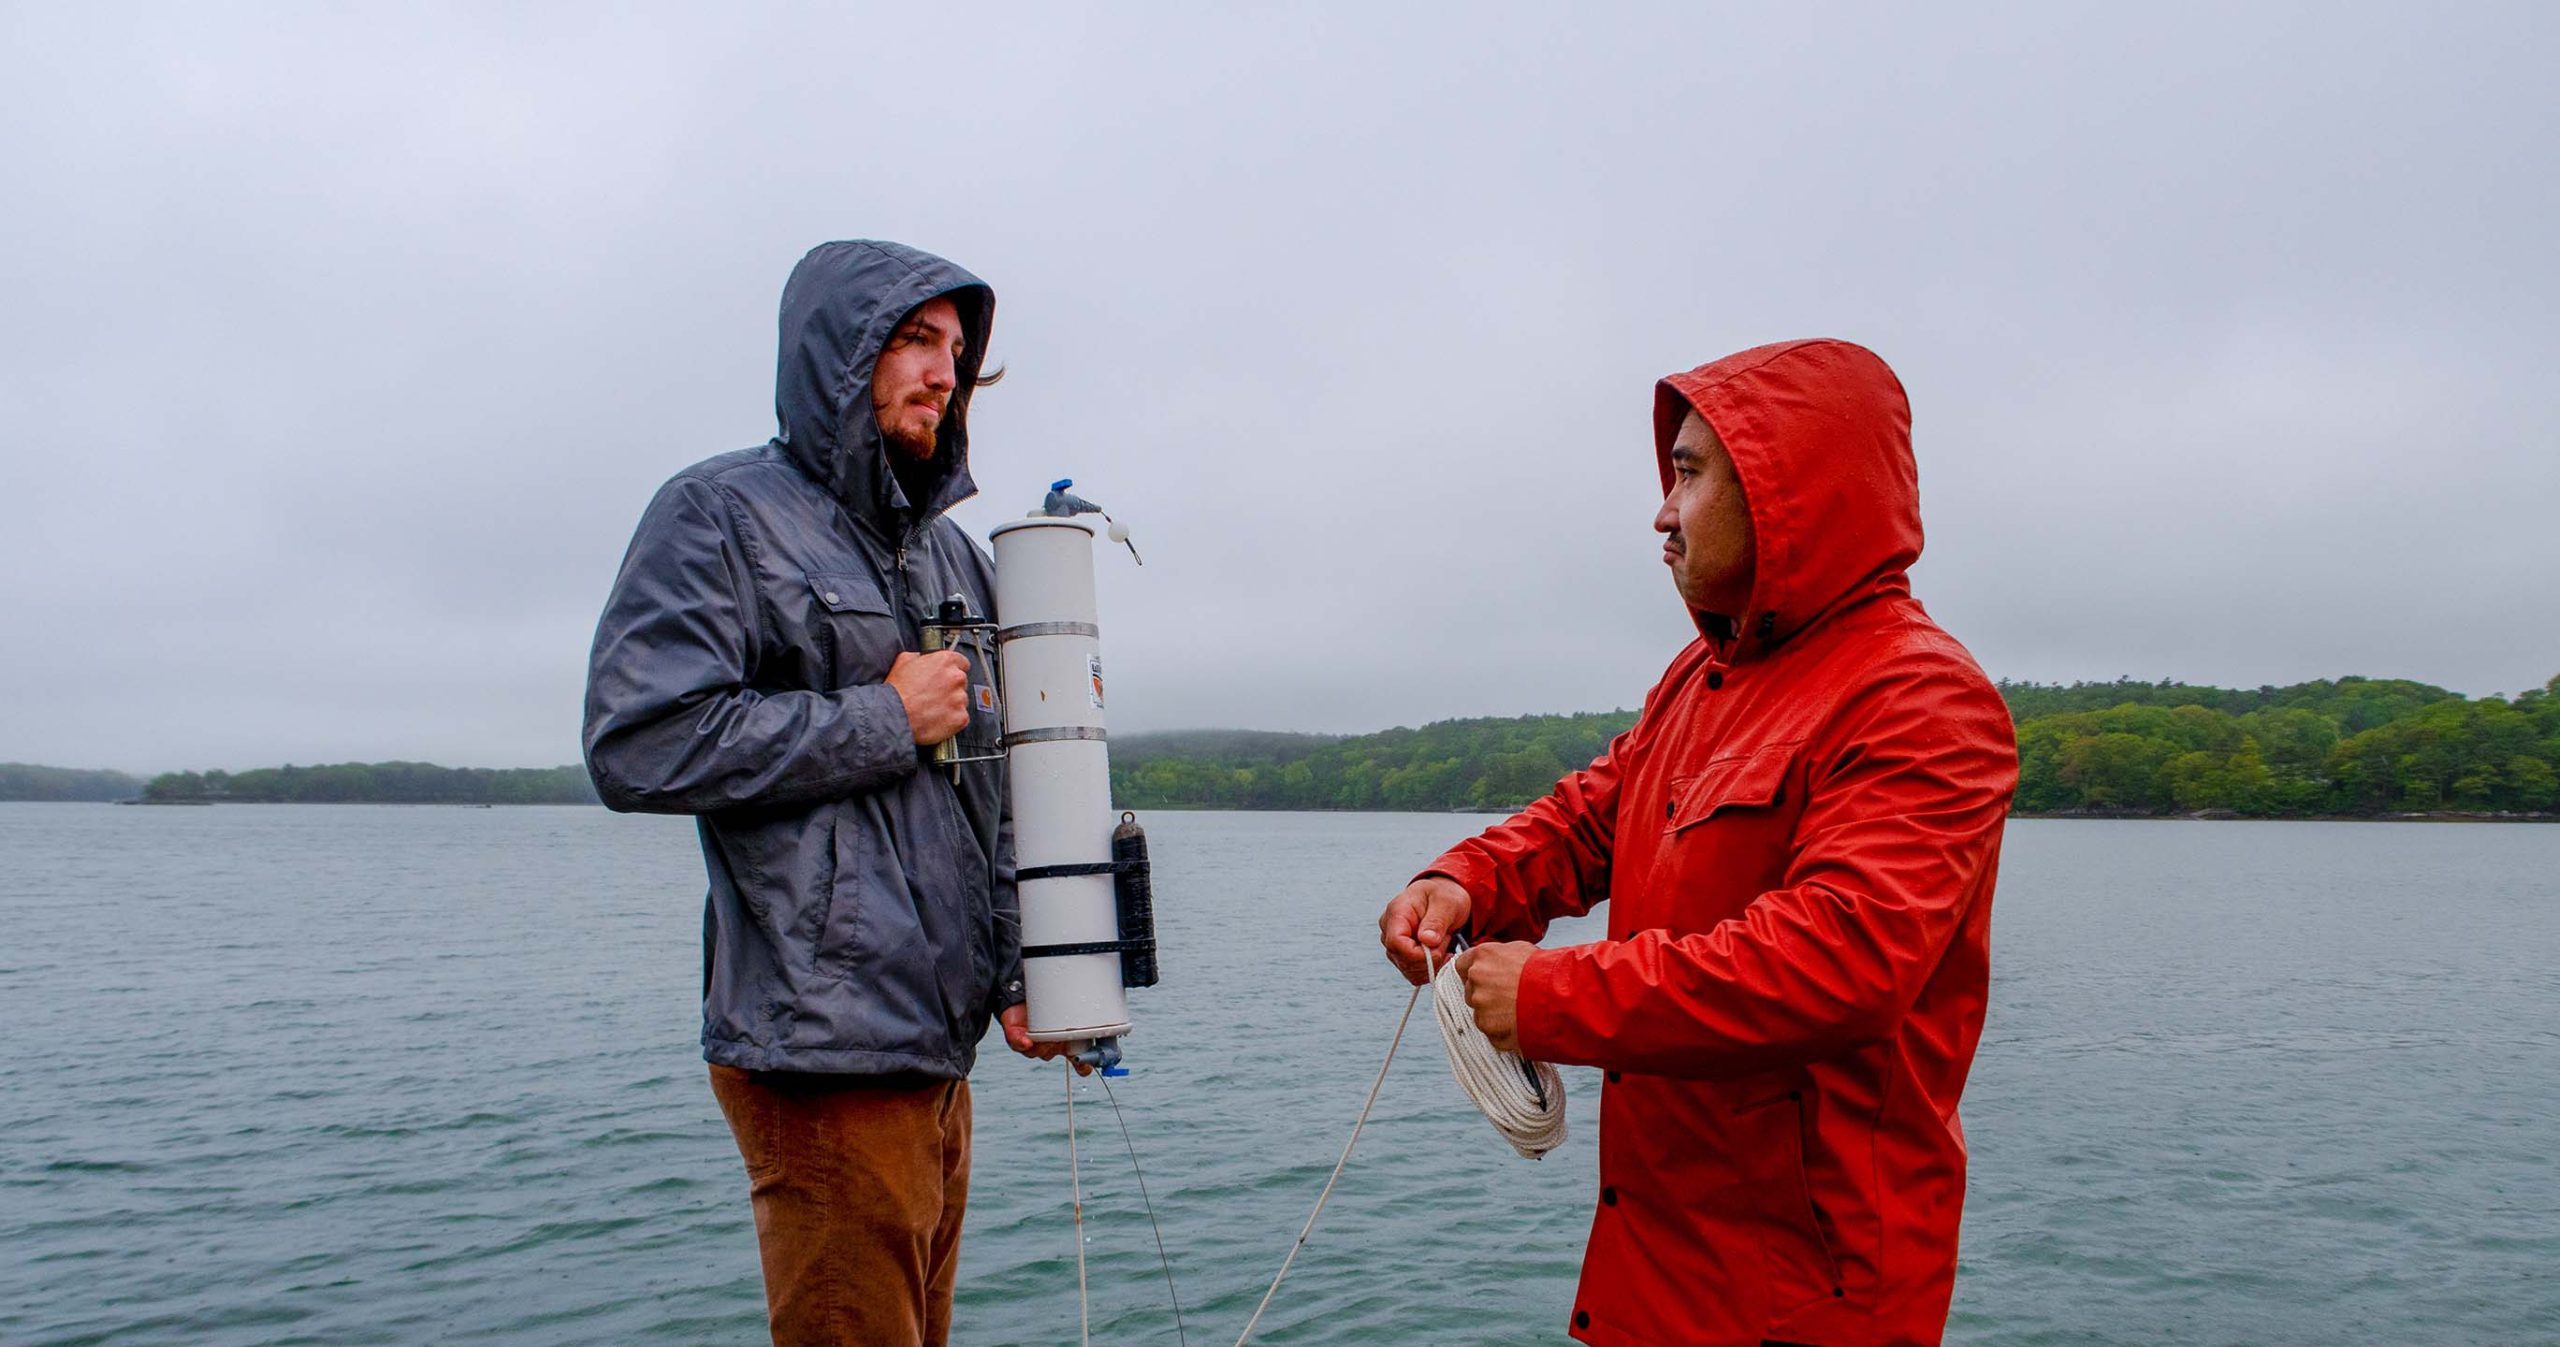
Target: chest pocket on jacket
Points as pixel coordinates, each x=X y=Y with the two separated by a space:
x=1747 y=781
x=856 y=627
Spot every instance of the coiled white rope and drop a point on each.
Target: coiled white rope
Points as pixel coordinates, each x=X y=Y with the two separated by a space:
x=1524 y=1100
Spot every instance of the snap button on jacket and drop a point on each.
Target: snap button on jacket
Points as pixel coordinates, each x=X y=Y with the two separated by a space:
x=1798 y=841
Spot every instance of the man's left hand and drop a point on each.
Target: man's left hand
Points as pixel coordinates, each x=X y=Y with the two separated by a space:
x=1492 y=975
x=1017 y=1035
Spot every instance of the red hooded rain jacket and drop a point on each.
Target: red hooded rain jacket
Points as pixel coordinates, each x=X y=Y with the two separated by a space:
x=1797 y=842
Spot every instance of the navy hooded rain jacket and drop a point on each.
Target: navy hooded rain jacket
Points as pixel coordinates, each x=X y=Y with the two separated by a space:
x=861 y=916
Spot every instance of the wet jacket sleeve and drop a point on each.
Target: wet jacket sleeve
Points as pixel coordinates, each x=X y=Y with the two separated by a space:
x=1904 y=809
x=672 y=725
x=1549 y=860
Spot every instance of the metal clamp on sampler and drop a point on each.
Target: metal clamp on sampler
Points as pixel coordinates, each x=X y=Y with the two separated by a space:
x=954 y=627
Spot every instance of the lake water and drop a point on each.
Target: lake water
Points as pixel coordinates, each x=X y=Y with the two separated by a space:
x=345 y=1075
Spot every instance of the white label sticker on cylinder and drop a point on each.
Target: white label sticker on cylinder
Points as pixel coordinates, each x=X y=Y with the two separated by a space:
x=1093 y=666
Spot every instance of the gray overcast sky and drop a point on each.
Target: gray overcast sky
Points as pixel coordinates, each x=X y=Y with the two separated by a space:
x=339 y=350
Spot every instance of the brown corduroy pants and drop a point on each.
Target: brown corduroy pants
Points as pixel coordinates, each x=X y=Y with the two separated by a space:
x=858 y=1188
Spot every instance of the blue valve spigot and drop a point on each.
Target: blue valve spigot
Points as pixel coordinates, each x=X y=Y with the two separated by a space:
x=1061 y=503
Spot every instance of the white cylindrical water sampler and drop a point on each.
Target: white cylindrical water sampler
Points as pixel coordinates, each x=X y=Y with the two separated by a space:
x=1060 y=773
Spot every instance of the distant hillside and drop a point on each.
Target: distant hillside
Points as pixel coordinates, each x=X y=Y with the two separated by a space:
x=26 y=781
x=1239 y=746
x=2353 y=747
x=2353 y=704
x=1451 y=764
x=2349 y=746
x=376 y=783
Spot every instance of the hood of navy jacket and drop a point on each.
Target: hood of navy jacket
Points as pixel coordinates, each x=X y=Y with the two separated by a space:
x=839 y=309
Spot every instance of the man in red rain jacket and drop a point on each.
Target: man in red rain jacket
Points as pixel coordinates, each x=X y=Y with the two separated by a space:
x=1796 y=842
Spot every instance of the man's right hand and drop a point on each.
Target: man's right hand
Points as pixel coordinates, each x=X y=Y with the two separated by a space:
x=935 y=688
x=1425 y=915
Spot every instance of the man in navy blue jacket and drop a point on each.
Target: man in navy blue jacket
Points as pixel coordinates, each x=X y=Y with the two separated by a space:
x=757 y=667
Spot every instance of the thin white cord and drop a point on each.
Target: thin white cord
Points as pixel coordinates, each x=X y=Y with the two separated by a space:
x=1180 y=1333
x=1310 y=1226
x=1075 y=1180
x=1524 y=1100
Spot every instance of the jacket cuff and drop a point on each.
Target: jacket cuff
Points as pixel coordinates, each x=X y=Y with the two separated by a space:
x=1539 y=1013
x=884 y=743
x=1473 y=875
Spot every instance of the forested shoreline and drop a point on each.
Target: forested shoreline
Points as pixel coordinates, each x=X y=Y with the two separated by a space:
x=2344 y=748
x=375 y=783
x=2354 y=748
x=27 y=781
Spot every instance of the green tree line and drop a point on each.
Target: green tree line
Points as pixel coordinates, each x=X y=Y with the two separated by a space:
x=376 y=783
x=2355 y=746
x=1451 y=764
x=27 y=781
x=2350 y=746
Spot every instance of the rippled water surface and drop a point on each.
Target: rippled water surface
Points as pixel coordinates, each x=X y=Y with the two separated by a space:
x=380 y=1075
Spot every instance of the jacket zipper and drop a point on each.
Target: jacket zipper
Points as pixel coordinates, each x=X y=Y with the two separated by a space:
x=903 y=584
x=981 y=939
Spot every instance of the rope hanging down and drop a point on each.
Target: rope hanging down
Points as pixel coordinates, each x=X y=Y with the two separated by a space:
x=1524 y=1100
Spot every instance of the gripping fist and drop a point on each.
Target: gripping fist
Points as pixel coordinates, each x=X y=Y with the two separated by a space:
x=935 y=689
x=1426 y=914
x=1492 y=974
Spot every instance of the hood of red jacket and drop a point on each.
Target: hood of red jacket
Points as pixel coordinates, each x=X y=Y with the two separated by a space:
x=1820 y=433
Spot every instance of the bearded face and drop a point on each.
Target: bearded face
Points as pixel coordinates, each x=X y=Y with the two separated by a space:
x=912 y=384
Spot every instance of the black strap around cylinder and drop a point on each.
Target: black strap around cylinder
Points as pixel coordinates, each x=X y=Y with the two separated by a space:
x=1086 y=947
x=1061 y=871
